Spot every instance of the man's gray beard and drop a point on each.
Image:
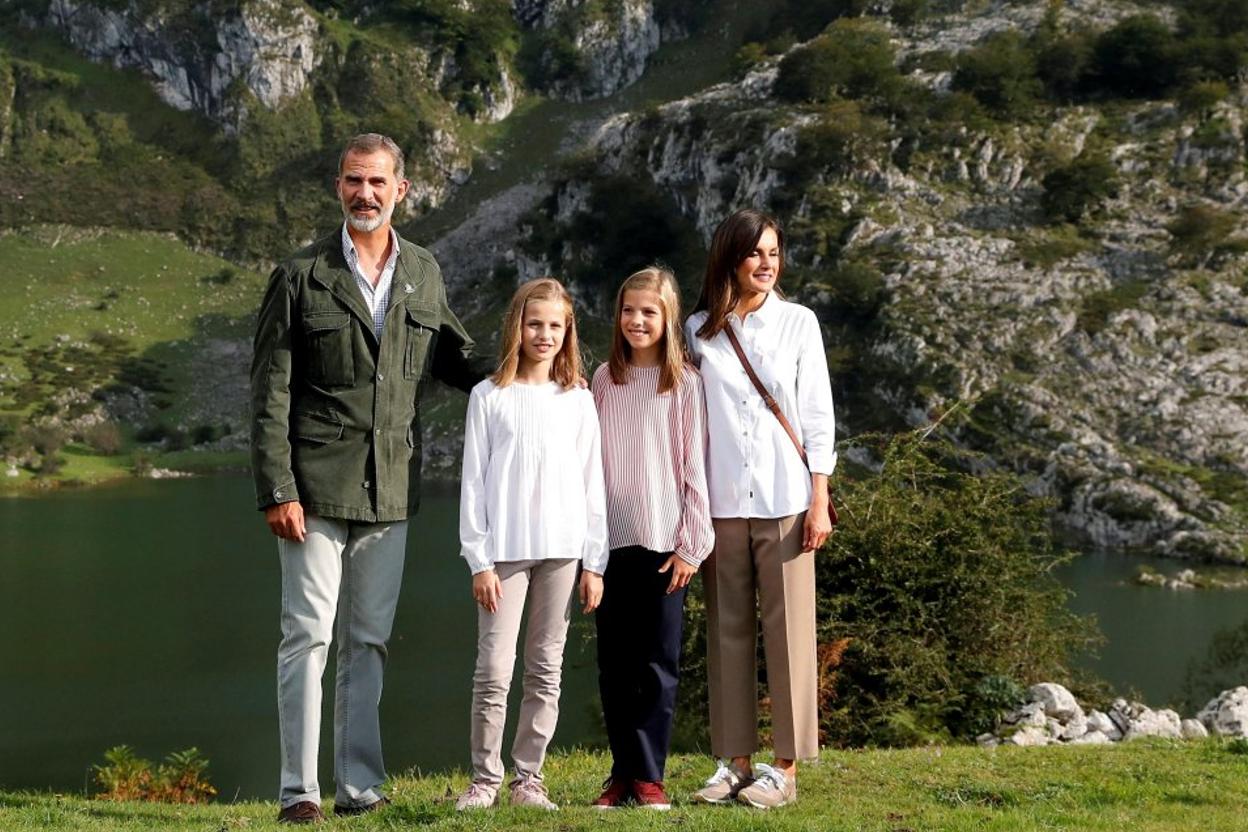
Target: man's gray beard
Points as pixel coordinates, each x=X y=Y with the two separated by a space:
x=366 y=225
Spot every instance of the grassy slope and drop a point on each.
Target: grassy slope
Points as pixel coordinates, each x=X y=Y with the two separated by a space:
x=160 y=296
x=1151 y=785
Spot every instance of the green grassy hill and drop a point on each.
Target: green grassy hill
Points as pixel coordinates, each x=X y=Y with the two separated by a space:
x=130 y=329
x=1148 y=786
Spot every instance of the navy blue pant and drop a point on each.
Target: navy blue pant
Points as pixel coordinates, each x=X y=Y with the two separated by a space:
x=639 y=636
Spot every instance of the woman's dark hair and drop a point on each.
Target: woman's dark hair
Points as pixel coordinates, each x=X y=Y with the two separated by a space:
x=734 y=240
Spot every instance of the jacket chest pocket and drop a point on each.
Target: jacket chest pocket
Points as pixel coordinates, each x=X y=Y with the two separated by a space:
x=331 y=361
x=422 y=330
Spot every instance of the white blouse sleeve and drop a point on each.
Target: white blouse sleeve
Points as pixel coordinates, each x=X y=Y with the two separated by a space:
x=589 y=450
x=814 y=399
x=474 y=522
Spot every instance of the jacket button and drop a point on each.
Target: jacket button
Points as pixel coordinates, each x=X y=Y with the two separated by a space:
x=367 y=484
x=380 y=377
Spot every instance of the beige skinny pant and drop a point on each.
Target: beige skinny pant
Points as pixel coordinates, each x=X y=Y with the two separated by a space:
x=547 y=585
x=762 y=557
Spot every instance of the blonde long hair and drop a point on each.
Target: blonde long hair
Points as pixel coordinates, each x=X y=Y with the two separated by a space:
x=566 y=368
x=672 y=347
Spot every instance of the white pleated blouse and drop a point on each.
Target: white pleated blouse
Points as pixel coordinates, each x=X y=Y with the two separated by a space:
x=532 y=484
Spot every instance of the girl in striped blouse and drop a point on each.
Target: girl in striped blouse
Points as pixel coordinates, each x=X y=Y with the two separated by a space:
x=653 y=419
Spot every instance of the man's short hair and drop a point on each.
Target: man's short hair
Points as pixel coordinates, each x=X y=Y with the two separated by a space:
x=371 y=143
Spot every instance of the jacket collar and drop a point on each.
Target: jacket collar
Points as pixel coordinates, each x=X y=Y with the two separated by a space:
x=330 y=270
x=409 y=274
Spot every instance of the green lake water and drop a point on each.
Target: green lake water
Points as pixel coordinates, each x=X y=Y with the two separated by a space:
x=147 y=613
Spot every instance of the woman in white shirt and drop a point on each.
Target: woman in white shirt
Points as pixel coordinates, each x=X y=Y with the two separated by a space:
x=769 y=510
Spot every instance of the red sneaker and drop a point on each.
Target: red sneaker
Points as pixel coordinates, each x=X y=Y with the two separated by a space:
x=615 y=793
x=651 y=795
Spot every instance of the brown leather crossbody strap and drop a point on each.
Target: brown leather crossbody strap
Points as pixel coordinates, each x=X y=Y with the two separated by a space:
x=770 y=400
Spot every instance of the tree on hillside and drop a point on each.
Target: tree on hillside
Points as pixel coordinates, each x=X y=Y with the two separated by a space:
x=1001 y=73
x=1079 y=188
x=1137 y=57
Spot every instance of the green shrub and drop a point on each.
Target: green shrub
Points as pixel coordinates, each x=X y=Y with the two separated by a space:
x=1061 y=244
x=1137 y=57
x=1001 y=73
x=1079 y=188
x=853 y=60
x=1201 y=97
x=1199 y=232
x=104 y=438
x=857 y=290
x=1065 y=64
x=841 y=139
x=747 y=58
x=1098 y=307
x=936 y=599
x=181 y=778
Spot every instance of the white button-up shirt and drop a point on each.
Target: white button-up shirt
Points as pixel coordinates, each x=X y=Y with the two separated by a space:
x=753 y=470
x=377 y=298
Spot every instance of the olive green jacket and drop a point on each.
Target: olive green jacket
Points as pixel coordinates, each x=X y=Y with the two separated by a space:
x=335 y=414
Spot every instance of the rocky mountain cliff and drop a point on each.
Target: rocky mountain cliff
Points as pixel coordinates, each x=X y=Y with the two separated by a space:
x=267 y=84
x=1097 y=356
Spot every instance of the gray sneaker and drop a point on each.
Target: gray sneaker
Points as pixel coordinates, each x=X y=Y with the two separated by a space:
x=478 y=796
x=531 y=792
x=723 y=785
x=770 y=790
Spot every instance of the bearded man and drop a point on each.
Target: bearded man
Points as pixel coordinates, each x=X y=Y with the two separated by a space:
x=348 y=330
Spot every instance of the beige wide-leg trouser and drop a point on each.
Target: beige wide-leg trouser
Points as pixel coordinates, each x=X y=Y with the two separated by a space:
x=353 y=570
x=547 y=585
x=762 y=556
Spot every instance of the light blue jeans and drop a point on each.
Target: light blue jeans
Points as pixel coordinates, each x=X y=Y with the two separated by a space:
x=354 y=570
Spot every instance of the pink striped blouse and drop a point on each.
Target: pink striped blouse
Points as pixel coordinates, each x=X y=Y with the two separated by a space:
x=654 y=459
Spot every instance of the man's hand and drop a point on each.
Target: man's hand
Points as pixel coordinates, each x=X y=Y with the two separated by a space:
x=286 y=520
x=591 y=591
x=487 y=590
x=682 y=573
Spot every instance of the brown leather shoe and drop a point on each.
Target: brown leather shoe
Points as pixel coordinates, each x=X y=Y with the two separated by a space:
x=305 y=811
x=349 y=811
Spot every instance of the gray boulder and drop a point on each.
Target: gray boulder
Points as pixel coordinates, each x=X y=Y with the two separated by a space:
x=1193 y=729
x=1058 y=702
x=1029 y=736
x=1099 y=722
x=1227 y=714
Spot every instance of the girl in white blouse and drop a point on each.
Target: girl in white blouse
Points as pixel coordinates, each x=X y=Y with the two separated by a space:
x=532 y=510
x=770 y=511
x=653 y=417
